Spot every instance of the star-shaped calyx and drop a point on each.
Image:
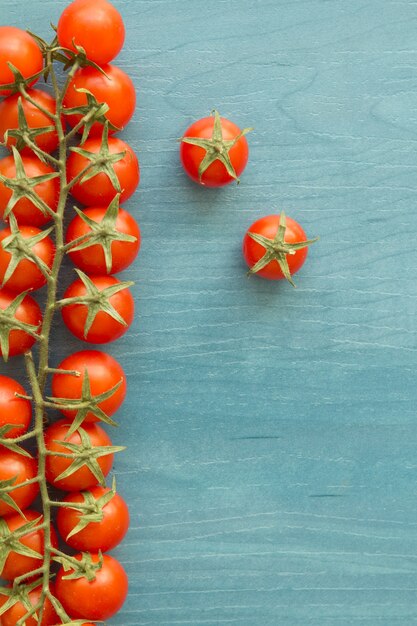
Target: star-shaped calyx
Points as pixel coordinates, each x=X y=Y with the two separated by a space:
x=18 y=594
x=23 y=186
x=10 y=540
x=24 y=134
x=101 y=162
x=91 y=509
x=277 y=249
x=91 y=113
x=9 y=322
x=102 y=233
x=20 y=82
x=97 y=300
x=87 y=405
x=216 y=147
x=85 y=455
x=21 y=248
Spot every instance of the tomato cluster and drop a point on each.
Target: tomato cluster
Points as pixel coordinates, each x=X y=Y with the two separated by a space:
x=75 y=451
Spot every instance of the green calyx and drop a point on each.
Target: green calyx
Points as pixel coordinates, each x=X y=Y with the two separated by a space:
x=85 y=567
x=102 y=233
x=277 y=249
x=21 y=248
x=88 y=404
x=217 y=148
x=85 y=454
x=19 y=593
x=91 y=509
x=9 y=322
x=97 y=300
x=101 y=162
x=10 y=540
x=24 y=134
x=92 y=112
x=22 y=186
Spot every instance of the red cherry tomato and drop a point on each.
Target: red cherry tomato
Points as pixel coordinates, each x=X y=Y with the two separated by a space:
x=91 y=259
x=11 y=616
x=115 y=88
x=98 y=599
x=35 y=119
x=21 y=50
x=218 y=142
x=28 y=312
x=17 y=564
x=27 y=275
x=24 y=210
x=13 y=410
x=104 y=327
x=104 y=373
x=267 y=228
x=103 y=535
x=96 y=26
x=56 y=437
x=99 y=189
x=23 y=469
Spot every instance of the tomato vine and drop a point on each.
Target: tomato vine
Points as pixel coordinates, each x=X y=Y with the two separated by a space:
x=51 y=164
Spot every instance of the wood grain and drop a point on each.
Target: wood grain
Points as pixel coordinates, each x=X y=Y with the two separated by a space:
x=271 y=467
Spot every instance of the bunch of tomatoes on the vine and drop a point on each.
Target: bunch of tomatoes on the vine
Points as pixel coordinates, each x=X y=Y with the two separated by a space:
x=64 y=149
x=60 y=128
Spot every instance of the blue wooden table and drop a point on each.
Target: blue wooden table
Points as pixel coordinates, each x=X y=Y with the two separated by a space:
x=271 y=431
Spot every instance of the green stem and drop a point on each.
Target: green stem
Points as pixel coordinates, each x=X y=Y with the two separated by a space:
x=38 y=375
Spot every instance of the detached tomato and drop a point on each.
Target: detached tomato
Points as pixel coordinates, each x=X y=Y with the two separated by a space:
x=15 y=613
x=35 y=118
x=214 y=151
x=92 y=259
x=96 y=26
x=104 y=373
x=98 y=599
x=27 y=274
x=21 y=50
x=114 y=88
x=106 y=326
x=99 y=189
x=13 y=410
x=28 y=312
x=56 y=440
x=24 y=210
x=275 y=247
x=104 y=534
x=22 y=469
x=17 y=564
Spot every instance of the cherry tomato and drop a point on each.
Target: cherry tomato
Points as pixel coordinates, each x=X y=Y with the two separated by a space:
x=56 y=438
x=35 y=119
x=98 y=599
x=24 y=210
x=219 y=153
x=99 y=189
x=20 y=49
x=28 y=312
x=17 y=564
x=279 y=254
x=23 y=469
x=96 y=26
x=115 y=88
x=27 y=275
x=12 y=615
x=104 y=373
x=14 y=410
x=92 y=259
x=102 y=535
x=104 y=327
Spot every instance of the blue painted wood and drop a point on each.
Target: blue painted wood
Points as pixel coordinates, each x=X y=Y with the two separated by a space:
x=271 y=463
